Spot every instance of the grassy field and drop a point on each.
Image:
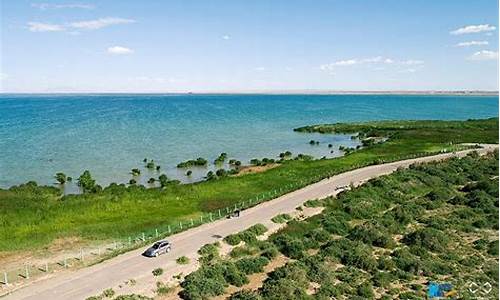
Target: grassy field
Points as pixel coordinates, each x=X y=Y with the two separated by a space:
x=33 y=217
x=387 y=239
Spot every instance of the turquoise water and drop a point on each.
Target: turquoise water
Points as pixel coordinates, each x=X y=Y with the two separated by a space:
x=111 y=134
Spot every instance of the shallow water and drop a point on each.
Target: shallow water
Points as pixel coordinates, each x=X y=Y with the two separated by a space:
x=111 y=134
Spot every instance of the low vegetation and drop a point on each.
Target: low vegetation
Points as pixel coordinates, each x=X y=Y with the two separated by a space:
x=183 y=260
x=384 y=240
x=248 y=236
x=281 y=218
x=33 y=217
x=157 y=272
x=200 y=162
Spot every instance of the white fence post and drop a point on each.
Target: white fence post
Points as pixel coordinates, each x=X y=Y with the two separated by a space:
x=27 y=272
x=5 y=278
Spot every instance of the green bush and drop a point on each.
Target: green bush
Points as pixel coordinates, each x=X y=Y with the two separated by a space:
x=162 y=289
x=429 y=238
x=281 y=218
x=232 y=239
x=365 y=290
x=183 y=260
x=132 y=297
x=157 y=271
x=245 y=295
x=237 y=252
x=250 y=265
x=289 y=246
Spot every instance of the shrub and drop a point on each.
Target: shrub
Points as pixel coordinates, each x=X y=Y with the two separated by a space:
x=61 y=178
x=281 y=218
x=208 y=253
x=250 y=265
x=289 y=246
x=132 y=297
x=245 y=295
x=429 y=238
x=86 y=182
x=233 y=275
x=270 y=252
x=493 y=248
x=366 y=291
x=189 y=163
x=108 y=293
x=206 y=282
x=162 y=289
x=157 y=271
x=183 y=260
x=372 y=234
x=248 y=235
x=257 y=229
x=241 y=251
x=232 y=239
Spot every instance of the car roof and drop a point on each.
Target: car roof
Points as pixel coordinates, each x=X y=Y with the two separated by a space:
x=162 y=241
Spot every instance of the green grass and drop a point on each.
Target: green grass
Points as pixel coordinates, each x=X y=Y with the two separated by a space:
x=32 y=217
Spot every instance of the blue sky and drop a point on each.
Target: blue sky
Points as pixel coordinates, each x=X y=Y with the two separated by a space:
x=238 y=45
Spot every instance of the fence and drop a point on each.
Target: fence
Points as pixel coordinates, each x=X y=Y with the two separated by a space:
x=91 y=255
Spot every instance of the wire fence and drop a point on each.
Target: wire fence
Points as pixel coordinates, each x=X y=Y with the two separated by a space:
x=86 y=256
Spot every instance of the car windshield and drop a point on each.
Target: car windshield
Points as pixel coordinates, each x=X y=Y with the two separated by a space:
x=156 y=245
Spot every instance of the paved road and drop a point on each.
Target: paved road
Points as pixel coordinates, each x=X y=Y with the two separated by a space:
x=93 y=280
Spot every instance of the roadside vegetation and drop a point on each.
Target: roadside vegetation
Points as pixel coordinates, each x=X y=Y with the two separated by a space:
x=383 y=240
x=281 y=218
x=33 y=217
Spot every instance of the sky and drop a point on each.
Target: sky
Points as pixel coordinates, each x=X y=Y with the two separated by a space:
x=239 y=45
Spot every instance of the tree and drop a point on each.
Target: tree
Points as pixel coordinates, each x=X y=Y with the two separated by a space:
x=163 y=180
x=86 y=182
x=61 y=178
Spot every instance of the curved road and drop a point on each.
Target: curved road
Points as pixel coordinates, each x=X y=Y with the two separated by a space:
x=93 y=280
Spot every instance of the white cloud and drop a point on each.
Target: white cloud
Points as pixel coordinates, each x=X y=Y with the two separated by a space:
x=484 y=55
x=120 y=50
x=369 y=60
x=3 y=76
x=100 y=23
x=473 y=29
x=472 y=43
x=260 y=69
x=412 y=62
x=409 y=70
x=226 y=37
x=44 y=27
x=45 y=6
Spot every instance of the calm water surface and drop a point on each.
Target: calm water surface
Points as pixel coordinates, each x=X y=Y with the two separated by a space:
x=111 y=134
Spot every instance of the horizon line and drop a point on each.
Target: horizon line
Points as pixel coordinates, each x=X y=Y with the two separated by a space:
x=277 y=92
